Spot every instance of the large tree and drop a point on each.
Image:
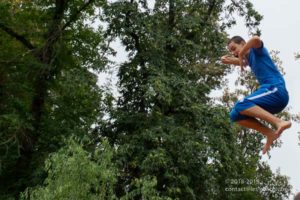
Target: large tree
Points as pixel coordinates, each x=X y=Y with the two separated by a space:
x=48 y=51
x=165 y=124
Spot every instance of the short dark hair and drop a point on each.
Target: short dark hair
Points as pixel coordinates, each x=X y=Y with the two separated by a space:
x=236 y=39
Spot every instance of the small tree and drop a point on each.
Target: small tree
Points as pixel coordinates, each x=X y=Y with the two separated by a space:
x=73 y=173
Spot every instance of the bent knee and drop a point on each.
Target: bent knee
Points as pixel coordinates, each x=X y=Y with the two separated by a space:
x=235 y=114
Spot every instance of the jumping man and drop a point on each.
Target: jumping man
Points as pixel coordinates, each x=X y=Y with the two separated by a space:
x=270 y=98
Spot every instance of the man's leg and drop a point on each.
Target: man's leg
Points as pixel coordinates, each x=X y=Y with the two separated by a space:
x=266 y=131
x=258 y=112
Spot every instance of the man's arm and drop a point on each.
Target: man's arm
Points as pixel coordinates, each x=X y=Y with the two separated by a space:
x=254 y=42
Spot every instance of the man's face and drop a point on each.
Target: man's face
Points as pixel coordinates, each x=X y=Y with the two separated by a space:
x=235 y=48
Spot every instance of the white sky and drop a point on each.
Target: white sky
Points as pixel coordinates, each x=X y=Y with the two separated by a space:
x=281 y=31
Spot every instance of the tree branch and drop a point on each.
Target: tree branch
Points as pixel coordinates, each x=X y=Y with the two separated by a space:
x=57 y=18
x=77 y=13
x=17 y=36
x=237 y=5
x=211 y=7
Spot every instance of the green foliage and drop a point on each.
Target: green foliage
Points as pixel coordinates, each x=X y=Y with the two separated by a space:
x=73 y=173
x=273 y=185
x=144 y=189
x=74 y=105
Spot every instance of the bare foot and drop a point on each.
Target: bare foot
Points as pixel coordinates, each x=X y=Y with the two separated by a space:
x=282 y=126
x=270 y=140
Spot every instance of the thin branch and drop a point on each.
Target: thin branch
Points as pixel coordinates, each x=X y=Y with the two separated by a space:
x=56 y=29
x=205 y=21
x=76 y=14
x=57 y=19
x=9 y=139
x=237 y=5
x=17 y=36
x=54 y=32
x=17 y=59
x=211 y=7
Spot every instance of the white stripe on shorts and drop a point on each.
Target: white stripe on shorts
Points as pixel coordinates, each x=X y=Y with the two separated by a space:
x=264 y=94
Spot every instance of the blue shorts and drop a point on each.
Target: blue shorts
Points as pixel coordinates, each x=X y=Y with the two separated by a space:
x=272 y=98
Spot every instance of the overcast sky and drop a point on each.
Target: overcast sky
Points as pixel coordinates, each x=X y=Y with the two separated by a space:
x=281 y=31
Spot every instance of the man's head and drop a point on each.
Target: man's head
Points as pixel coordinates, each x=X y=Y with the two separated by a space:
x=235 y=44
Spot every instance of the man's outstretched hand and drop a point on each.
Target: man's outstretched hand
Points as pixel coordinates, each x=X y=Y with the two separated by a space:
x=229 y=59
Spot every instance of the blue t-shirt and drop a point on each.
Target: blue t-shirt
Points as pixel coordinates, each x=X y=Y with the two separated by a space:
x=263 y=67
